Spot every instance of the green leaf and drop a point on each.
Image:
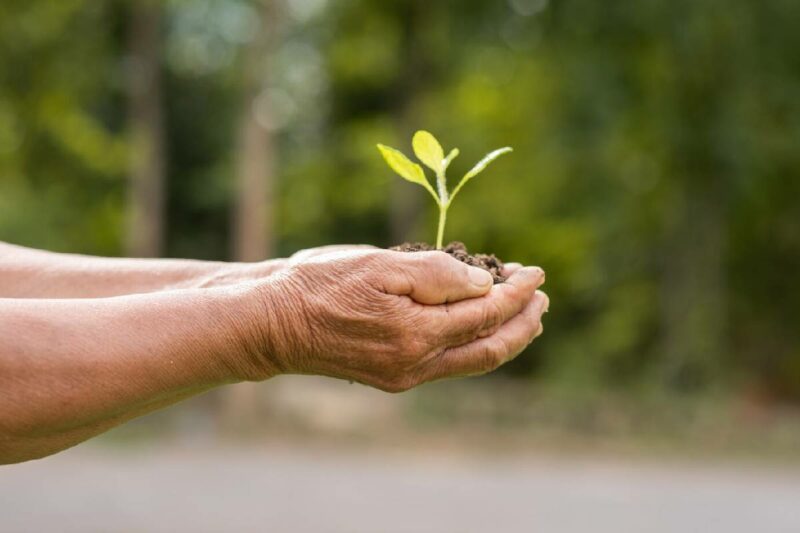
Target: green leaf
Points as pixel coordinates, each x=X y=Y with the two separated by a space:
x=428 y=150
x=483 y=163
x=449 y=159
x=406 y=168
x=477 y=169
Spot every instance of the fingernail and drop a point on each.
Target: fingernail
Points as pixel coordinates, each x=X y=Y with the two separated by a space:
x=533 y=272
x=479 y=277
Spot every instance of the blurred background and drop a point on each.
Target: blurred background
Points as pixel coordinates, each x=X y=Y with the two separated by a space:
x=655 y=177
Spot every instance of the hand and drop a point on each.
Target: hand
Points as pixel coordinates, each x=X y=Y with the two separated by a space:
x=310 y=253
x=394 y=320
x=231 y=273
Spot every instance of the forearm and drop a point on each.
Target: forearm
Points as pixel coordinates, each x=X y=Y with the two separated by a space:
x=27 y=273
x=72 y=369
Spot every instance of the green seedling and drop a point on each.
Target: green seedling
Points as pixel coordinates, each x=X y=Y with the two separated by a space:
x=430 y=153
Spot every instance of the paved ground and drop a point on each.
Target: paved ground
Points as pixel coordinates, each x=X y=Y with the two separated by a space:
x=90 y=489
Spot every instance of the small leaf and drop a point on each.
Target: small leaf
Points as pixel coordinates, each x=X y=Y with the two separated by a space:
x=428 y=150
x=483 y=163
x=449 y=159
x=477 y=169
x=401 y=164
x=406 y=168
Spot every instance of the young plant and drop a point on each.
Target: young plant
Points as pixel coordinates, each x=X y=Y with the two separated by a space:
x=429 y=151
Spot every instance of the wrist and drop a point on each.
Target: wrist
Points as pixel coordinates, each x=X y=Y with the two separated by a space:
x=256 y=317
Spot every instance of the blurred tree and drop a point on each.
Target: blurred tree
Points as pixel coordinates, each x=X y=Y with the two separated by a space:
x=146 y=124
x=62 y=151
x=254 y=209
x=416 y=72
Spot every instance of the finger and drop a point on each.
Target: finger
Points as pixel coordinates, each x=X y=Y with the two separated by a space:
x=486 y=354
x=510 y=268
x=508 y=271
x=434 y=278
x=463 y=322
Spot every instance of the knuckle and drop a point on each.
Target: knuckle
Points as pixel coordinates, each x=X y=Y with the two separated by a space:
x=488 y=317
x=412 y=345
x=476 y=321
x=416 y=335
x=493 y=314
x=483 y=360
x=494 y=354
x=439 y=258
x=517 y=294
x=435 y=259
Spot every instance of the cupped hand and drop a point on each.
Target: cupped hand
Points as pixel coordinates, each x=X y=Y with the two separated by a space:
x=394 y=320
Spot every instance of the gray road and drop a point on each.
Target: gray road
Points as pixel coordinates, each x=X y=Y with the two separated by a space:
x=91 y=489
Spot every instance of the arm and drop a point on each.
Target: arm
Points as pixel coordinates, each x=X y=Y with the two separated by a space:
x=70 y=369
x=27 y=273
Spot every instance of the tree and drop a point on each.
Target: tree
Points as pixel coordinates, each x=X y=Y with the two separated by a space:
x=146 y=119
x=254 y=204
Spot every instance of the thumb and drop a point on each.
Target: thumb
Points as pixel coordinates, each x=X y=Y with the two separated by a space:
x=434 y=278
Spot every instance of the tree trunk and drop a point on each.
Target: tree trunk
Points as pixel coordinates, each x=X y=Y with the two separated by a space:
x=254 y=211
x=253 y=239
x=148 y=159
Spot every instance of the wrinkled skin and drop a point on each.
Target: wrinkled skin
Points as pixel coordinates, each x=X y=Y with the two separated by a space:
x=394 y=320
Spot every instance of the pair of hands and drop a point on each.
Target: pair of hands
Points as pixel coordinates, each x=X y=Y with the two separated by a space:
x=388 y=319
x=87 y=343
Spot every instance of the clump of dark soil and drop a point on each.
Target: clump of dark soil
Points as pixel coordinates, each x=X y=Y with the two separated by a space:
x=457 y=249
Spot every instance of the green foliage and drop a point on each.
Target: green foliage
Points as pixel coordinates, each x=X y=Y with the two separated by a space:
x=430 y=152
x=479 y=167
x=405 y=168
x=62 y=149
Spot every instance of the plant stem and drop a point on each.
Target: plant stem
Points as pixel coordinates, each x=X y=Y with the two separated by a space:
x=444 y=203
x=442 y=221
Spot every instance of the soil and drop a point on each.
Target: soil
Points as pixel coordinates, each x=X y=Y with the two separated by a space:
x=457 y=249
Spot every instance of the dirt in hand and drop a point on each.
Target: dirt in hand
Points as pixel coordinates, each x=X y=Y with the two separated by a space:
x=457 y=249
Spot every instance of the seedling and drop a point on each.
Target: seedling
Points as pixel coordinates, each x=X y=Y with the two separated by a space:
x=430 y=153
